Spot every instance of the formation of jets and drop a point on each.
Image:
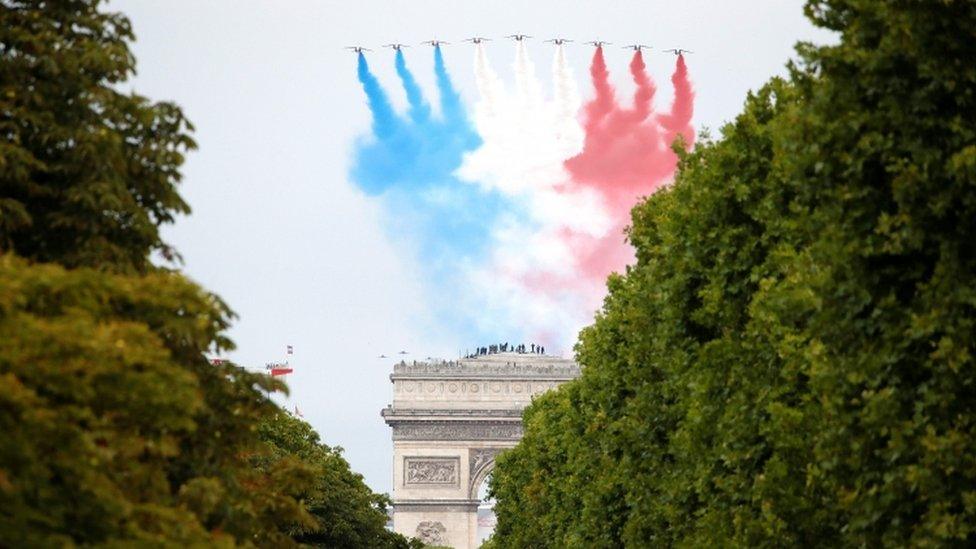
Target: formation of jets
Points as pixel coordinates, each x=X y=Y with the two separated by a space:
x=518 y=38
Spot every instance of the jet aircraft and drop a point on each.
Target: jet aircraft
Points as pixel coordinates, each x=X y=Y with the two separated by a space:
x=358 y=49
x=435 y=42
x=518 y=37
x=396 y=46
x=477 y=39
x=558 y=41
x=637 y=47
x=598 y=43
x=678 y=51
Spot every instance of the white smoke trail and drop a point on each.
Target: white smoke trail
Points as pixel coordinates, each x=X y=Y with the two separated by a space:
x=525 y=140
x=489 y=86
x=527 y=85
x=567 y=104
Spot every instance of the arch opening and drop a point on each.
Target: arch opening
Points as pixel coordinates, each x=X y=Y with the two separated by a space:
x=486 y=510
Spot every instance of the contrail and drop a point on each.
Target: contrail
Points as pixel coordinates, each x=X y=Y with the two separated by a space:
x=678 y=121
x=519 y=215
x=408 y=164
x=526 y=83
x=451 y=106
x=565 y=93
x=566 y=99
x=603 y=101
x=489 y=87
x=384 y=118
x=624 y=157
x=418 y=109
x=644 y=94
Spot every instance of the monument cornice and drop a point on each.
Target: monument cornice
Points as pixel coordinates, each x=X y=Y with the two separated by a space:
x=509 y=430
x=420 y=414
x=516 y=367
x=435 y=505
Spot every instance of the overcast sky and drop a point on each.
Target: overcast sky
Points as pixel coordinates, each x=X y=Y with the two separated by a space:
x=279 y=232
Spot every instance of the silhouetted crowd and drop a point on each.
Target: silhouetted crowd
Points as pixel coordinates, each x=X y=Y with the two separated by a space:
x=531 y=348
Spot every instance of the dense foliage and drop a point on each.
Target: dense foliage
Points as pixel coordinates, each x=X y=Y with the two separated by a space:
x=115 y=428
x=791 y=360
x=88 y=173
x=348 y=513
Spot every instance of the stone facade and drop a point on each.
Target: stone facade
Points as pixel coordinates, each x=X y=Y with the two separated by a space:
x=449 y=421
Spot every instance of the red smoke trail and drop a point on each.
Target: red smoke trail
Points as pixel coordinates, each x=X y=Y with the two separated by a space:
x=626 y=155
x=603 y=103
x=678 y=122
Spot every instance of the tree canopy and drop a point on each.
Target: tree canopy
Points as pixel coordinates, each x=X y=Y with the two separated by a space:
x=117 y=430
x=790 y=362
x=348 y=513
x=89 y=172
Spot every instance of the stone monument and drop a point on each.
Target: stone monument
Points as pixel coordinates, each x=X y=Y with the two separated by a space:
x=449 y=421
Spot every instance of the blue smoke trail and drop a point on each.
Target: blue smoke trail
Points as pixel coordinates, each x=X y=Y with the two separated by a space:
x=409 y=162
x=450 y=98
x=419 y=110
x=384 y=119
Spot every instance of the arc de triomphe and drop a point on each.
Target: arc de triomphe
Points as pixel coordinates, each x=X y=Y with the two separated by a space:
x=450 y=420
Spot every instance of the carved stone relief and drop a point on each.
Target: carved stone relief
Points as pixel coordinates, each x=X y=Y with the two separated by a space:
x=479 y=457
x=431 y=532
x=431 y=471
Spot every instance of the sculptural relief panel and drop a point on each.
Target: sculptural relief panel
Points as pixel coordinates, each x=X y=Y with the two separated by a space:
x=431 y=471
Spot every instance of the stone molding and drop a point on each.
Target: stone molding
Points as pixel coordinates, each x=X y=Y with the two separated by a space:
x=435 y=505
x=457 y=430
x=501 y=388
x=516 y=366
x=396 y=413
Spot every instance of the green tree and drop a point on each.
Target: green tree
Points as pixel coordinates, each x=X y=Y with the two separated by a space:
x=116 y=428
x=790 y=362
x=88 y=173
x=347 y=512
